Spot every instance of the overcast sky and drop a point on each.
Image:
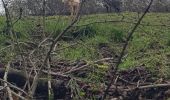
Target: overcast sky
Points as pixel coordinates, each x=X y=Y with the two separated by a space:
x=1 y=7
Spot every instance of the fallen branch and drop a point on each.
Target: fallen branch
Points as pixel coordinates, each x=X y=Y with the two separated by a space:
x=19 y=96
x=150 y=86
x=5 y=84
x=15 y=87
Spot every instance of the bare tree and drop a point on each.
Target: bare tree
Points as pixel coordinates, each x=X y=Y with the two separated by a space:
x=112 y=5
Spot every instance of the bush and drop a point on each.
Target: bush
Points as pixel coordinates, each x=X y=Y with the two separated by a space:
x=80 y=33
x=118 y=36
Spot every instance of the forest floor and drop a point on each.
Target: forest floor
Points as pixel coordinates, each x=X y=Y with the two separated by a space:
x=87 y=53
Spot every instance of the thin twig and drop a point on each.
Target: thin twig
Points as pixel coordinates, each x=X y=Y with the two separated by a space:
x=19 y=96
x=14 y=38
x=15 y=87
x=124 y=48
x=49 y=81
x=149 y=86
x=35 y=81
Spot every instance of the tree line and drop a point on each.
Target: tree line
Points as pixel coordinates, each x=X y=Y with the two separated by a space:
x=55 y=7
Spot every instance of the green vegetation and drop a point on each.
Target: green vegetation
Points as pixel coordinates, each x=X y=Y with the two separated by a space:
x=150 y=45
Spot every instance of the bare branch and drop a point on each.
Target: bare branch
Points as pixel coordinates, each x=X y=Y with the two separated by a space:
x=124 y=48
x=5 y=84
x=34 y=85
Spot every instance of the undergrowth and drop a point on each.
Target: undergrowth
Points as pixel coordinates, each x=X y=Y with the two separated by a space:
x=150 y=45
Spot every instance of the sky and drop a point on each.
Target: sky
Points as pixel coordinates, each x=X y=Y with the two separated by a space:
x=1 y=7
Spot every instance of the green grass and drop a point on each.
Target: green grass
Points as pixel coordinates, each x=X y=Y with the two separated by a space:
x=149 y=46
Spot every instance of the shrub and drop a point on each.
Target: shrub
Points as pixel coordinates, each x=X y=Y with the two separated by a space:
x=118 y=36
x=81 y=32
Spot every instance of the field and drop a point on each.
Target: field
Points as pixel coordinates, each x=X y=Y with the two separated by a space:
x=149 y=46
x=101 y=36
